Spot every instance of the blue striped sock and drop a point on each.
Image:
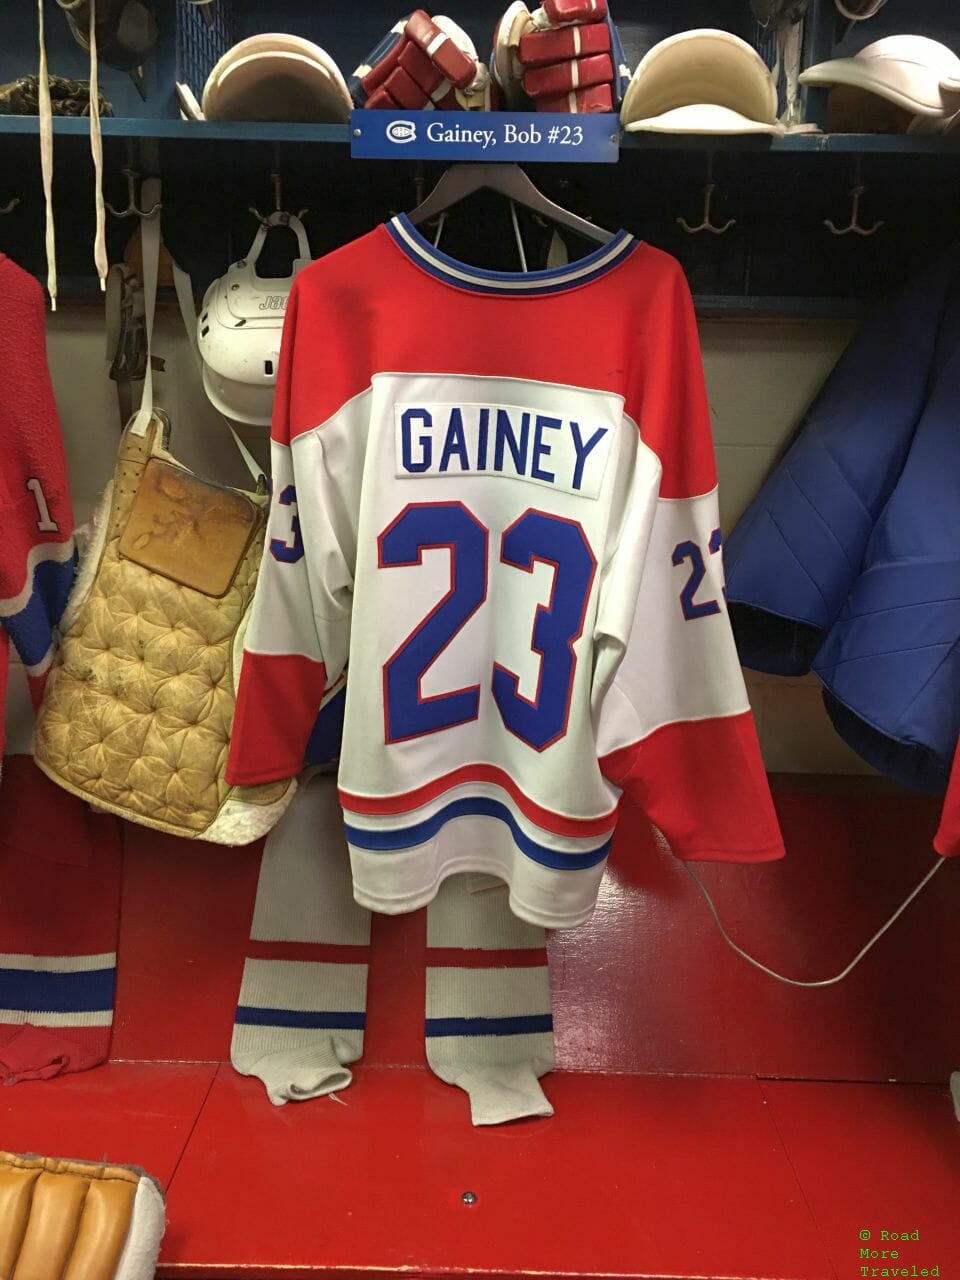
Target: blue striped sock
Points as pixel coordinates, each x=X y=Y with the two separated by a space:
x=489 y=1029
x=302 y=1009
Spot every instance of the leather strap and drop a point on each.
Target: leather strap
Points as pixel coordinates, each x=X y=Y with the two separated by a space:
x=150 y=248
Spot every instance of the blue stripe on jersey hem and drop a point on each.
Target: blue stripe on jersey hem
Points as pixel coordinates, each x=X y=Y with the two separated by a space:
x=39 y=991
x=511 y=283
x=475 y=807
x=318 y=1020
x=527 y=1024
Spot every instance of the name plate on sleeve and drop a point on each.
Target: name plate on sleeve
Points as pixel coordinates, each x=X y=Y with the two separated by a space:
x=510 y=136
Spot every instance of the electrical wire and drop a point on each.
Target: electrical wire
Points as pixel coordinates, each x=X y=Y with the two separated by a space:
x=821 y=982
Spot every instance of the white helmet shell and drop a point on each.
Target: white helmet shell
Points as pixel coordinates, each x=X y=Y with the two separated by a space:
x=906 y=70
x=701 y=81
x=277 y=77
x=239 y=330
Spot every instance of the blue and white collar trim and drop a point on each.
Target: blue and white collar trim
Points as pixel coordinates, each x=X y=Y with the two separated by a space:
x=517 y=283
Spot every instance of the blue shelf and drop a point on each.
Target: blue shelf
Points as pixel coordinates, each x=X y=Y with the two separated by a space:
x=252 y=131
x=183 y=130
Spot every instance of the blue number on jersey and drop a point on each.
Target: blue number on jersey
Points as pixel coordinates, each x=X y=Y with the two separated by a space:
x=716 y=542
x=419 y=527
x=562 y=544
x=536 y=536
x=698 y=571
x=279 y=548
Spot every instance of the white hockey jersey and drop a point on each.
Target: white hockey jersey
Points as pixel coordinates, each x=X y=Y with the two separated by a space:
x=494 y=501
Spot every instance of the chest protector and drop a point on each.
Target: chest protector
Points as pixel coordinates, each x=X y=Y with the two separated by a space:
x=138 y=708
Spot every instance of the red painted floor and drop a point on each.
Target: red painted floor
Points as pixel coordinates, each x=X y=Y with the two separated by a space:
x=634 y=1176
x=874 y=1158
x=140 y=1113
x=640 y=1176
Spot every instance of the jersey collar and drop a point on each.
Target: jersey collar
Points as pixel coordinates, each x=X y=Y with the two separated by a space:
x=514 y=283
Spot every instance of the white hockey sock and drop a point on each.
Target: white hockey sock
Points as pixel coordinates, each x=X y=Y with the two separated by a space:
x=302 y=1009
x=489 y=1028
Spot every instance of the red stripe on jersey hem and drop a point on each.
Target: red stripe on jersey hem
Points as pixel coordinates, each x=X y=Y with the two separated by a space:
x=313 y=952
x=557 y=823
x=478 y=958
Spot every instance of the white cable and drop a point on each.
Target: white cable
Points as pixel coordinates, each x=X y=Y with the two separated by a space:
x=822 y=982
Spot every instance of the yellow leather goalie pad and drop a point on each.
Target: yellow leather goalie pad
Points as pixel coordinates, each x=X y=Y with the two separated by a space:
x=64 y=1219
x=138 y=706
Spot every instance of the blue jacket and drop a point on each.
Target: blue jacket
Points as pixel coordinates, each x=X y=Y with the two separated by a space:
x=847 y=562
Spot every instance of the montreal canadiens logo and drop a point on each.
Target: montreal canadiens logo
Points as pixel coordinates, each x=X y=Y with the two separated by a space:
x=401 y=131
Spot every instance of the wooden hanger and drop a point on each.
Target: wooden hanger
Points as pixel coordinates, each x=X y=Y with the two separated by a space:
x=462 y=180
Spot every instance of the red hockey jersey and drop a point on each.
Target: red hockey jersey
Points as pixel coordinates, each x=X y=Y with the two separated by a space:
x=37 y=555
x=494 y=499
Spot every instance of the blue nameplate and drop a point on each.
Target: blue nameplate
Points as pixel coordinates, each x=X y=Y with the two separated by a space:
x=485 y=135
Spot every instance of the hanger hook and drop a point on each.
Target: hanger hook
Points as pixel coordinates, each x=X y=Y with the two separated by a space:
x=279 y=217
x=705 y=222
x=133 y=210
x=854 y=226
x=10 y=205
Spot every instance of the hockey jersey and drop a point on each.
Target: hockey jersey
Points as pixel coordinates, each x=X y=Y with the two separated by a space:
x=947 y=839
x=494 y=497
x=37 y=555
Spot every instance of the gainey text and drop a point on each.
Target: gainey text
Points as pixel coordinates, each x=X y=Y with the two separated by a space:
x=501 y=440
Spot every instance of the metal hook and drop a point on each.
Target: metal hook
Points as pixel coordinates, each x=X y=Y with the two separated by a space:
x=10 y=206
x=133 y=210
x=856 y=191
x=279 y=217
x=706 y=224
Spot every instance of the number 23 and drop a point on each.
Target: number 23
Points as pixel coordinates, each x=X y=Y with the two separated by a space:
x=698 y=571
x=534 y=537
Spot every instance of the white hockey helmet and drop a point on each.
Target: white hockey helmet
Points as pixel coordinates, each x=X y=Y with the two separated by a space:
x=909 y=71
x=701 y=81
x=239 y=329
x=277 y=77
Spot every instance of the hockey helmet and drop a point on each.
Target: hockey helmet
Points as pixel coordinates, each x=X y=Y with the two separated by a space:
x=908 y=71
x=701 y=81
x=277 y=77
x=239 y=329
